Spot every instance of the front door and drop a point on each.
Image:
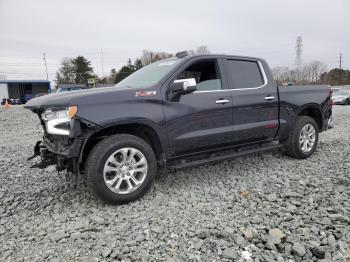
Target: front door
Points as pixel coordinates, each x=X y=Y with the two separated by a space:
x=255 y=101
x=201 y=120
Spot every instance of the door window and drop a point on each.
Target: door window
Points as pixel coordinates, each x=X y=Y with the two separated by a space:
x=244 y=74
x=206 y=75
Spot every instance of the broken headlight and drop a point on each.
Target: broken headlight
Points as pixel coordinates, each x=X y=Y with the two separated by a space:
x=57 y=120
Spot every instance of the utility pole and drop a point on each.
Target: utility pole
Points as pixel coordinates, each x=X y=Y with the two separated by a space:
x=2 y=76
x=103 y=69
x=340 y=60
x=44 y=58
x=298 y=51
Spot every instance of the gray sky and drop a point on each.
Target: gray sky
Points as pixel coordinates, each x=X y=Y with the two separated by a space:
x=263 y=28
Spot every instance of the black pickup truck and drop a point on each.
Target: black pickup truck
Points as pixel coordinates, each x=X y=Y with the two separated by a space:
x=179 y=112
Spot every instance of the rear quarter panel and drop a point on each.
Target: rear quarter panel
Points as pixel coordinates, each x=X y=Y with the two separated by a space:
x=294 y=99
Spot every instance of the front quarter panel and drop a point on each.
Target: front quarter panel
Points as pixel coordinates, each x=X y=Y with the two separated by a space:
x=127 y=107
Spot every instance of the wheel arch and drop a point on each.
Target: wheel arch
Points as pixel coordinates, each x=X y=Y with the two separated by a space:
x=314 y=112
x=142 y=130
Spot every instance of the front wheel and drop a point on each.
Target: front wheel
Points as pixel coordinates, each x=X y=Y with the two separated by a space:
x=121 y=168
x=303 y=138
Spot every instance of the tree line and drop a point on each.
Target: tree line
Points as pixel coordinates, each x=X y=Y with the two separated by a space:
x=78 y=70
x=314 y=72
x=336 y=77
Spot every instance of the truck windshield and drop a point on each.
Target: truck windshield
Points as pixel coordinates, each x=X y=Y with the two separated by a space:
x=150 y=74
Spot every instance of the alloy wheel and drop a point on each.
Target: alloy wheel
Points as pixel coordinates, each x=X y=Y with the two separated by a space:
x=125 y=170
x=307 y=138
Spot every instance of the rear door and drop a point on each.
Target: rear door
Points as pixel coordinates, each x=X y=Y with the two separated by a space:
x=203 y=119
x=255 y=101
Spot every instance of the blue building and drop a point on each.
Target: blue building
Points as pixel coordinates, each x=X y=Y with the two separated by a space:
x=23 y=89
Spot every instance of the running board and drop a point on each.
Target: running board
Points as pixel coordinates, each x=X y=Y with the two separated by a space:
x=213 y=159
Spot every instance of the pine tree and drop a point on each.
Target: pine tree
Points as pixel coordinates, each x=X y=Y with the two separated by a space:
x=125 y=71
x=74 y=71
x=138 y=64
x=66 y=74
x=82 y=69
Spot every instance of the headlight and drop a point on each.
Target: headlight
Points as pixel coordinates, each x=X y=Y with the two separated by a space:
x=57 y=120
x=59 y=113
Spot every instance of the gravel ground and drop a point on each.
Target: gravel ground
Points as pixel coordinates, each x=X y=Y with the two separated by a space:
x=265 y=207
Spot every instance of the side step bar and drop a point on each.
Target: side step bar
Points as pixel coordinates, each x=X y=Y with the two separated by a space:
x=269 y=147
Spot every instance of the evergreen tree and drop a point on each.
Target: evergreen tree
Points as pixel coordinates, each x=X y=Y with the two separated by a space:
x=66 y=74
x=82 y=70
x=74 y=71
x=125 y=71
x=336 y=77
x=138 y=64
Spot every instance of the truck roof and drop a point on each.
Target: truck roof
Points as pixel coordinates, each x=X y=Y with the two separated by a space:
x=215 y=56
x=226 y=56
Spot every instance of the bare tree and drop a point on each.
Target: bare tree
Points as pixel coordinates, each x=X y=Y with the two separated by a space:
x=281 y=74
x=307 y=74
x=202 y=50
x=300 y=75
x=149 y=57
x=316 y=68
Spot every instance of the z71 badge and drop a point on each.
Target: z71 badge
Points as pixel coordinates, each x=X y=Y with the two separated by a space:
x=145 y=93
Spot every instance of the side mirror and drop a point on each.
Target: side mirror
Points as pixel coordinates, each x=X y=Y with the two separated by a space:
x=184 y=86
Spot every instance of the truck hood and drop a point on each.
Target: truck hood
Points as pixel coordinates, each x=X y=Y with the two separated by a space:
x=70 y=98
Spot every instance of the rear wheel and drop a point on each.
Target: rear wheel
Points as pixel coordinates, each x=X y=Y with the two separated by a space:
x=121 y=168
x=303 y=139
x=347 y=102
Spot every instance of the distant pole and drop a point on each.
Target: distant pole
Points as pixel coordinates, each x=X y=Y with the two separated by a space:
x=103 y=69
x=44 y=57
x=298 y=51
x=340 y=60
x=2 y=76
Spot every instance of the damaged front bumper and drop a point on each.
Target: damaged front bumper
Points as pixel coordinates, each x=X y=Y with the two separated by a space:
x=63 y=151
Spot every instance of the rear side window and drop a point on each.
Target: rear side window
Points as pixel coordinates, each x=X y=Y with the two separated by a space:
x=244 y=74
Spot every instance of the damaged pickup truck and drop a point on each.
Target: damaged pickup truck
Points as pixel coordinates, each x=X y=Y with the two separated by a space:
x=179 y=112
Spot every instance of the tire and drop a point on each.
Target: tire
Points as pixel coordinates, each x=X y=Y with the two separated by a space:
x=347 y=102
x=112 y=154
x=295 y=146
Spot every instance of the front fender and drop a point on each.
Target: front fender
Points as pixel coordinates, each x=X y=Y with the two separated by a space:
x=159 y=128
x=93 y=136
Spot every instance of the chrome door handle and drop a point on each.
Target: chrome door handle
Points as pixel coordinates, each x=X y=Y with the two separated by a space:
x=269 y=98
x=222 y=101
